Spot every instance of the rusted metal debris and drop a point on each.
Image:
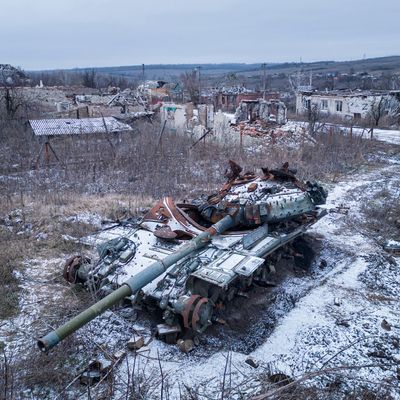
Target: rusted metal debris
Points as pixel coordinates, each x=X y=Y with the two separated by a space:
x=100 y=368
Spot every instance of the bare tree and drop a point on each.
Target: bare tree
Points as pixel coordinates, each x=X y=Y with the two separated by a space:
x=191 y=85
x=89 y=78
x=377 y=110
x=313 y=117
x=10 y=94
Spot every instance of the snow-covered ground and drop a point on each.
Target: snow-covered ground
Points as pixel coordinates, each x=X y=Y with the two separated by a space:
x=383 y=135
x=389 y=136
x=345 y=314
x=339 y=321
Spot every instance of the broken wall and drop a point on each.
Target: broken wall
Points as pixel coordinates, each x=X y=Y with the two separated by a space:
x=344 y=106
x=267 y=111
x=175 y=116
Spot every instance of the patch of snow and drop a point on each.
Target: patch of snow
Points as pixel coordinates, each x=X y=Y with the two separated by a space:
x=310 y=336
x=87 y=218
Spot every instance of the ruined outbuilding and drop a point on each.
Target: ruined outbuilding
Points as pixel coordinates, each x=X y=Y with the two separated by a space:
x=57 y=127
x=229 y=98
x=261 y=110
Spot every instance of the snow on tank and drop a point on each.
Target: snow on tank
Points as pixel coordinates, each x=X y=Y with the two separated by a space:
x=189 y=259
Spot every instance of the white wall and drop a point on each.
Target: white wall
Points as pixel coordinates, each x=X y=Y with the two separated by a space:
x=351 y=105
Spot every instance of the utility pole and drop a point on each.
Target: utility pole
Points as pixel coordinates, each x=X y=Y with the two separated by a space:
x=199 y=67
x=143 y=74
x=264 y=68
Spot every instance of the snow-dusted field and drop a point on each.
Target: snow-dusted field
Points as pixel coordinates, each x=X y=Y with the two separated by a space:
x=343 y=315
x=383 y=135
x=337 y=321
x=388 y=136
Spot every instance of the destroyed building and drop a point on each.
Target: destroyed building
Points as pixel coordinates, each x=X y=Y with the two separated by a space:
x=159 y=91
x=184 y=117
x=254 y=119
x=348 y=104
x=261 y=110
x=155 y=91
x=227 y=99
x=81 y=102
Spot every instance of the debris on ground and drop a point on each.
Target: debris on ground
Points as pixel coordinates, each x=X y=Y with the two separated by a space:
x=392 y=247
x=135 y=343
x=252 y=362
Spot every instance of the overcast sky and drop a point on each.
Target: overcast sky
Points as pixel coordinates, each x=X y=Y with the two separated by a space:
x=47 y=34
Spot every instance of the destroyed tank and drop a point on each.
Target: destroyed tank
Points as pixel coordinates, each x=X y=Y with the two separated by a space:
x=191 y=259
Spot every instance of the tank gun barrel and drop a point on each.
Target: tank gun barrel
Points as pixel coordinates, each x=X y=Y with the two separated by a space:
x=133 y=284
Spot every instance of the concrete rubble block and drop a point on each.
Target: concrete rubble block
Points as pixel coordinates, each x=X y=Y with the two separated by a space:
x=392 y=246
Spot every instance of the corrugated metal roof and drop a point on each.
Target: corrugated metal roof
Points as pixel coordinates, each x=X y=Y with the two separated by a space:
x=54 y=127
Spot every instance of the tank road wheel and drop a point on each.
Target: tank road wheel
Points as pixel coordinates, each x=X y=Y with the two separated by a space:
x=71 y=268
x=197 y=313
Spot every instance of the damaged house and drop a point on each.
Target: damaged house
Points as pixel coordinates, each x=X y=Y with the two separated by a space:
x=184 y=117
x=252 y=111
x=227 y=99
x=350 y=105
x=257 y=118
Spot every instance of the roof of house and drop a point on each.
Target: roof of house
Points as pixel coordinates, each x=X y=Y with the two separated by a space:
x=55 y=127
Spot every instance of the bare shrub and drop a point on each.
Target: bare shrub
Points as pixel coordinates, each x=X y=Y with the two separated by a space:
x=135 y=164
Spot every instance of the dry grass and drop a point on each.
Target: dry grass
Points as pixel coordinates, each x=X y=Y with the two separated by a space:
x=45 y=206
x=137 y=165
x=12 y=249
x=114 y=184
x=383 y=213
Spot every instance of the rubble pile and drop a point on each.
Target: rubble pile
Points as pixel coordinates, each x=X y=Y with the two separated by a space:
x=289 y=135
x=234 y=90
x=268 y=111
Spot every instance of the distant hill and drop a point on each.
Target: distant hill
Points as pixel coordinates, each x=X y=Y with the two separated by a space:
x=167 y=71
x=164 y=71
x=370 y=65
